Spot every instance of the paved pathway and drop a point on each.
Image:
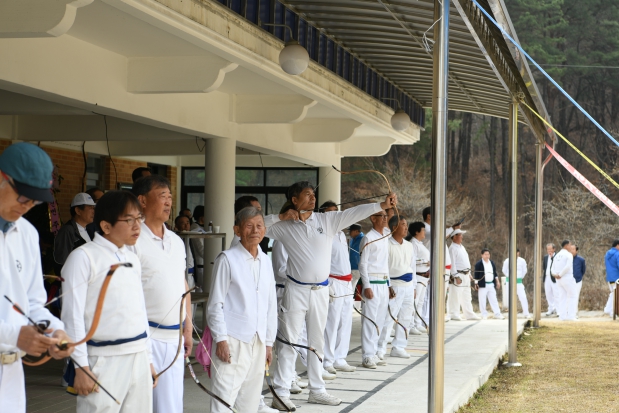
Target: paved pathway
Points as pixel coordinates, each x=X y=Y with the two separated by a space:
x=472 y=351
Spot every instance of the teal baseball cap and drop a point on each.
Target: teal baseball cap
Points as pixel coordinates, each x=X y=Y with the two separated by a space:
x=31 y=170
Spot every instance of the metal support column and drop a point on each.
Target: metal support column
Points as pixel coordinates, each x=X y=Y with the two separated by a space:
x=537 y=256
x=513 y=228
x=436 y=368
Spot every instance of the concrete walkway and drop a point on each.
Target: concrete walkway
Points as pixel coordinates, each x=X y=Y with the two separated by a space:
x=472 y=351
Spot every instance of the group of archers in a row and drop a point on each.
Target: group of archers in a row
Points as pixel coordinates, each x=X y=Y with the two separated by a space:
x=127 y=325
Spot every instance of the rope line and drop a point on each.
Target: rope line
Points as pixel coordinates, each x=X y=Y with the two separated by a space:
x=544 y=72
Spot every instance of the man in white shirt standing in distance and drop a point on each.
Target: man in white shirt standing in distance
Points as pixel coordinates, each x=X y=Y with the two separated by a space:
x=162 y=256
x=339 y=319
x=307 y=237
x=242 y=316
x=25 y=181
x=550 y=284
x=461 y=275
x=417 y=233
x=561 y=269
x=374 y=270
x=402 y=264
x=487 y=279
x=521 y=271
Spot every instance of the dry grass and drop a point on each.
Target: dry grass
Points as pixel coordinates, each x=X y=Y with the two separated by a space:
x=567 y=367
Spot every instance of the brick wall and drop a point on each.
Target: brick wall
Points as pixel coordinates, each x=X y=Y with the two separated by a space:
x=124 y=169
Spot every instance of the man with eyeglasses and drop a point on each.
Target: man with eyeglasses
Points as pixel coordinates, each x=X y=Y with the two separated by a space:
x=162 y=256
x=25 y=181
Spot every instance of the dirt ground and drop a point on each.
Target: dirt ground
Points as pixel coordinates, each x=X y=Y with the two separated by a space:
x=566 y=367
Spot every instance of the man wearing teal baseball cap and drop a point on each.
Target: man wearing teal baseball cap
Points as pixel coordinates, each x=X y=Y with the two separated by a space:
x=25 y=181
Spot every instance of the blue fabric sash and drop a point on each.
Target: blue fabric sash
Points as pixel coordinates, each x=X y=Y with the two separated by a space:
x=408 y=277
x=323 y=284
x=157 y=325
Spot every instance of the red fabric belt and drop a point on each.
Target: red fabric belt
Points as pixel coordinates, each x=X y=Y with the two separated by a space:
x=341 y=277
x=448 y=267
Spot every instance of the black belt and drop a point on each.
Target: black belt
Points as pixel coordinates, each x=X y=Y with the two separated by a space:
x=424 y=274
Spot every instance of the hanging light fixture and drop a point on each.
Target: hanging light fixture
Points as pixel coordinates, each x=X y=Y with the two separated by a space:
x=293 y=58
x=400 y=121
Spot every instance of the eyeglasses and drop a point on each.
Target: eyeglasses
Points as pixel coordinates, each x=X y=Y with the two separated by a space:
x=381 y=216
x=132 y=221
x=20 y=198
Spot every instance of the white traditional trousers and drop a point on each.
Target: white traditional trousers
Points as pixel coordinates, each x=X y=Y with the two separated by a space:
x=610 y=304
x=239 y=382
x=551 y=291
x=488 y=293
x=301 y=304
x=522 y=297
x=12 y=389
x=339 y=323
x=168 y=395
x=420 y=303
x=401 y=308
x=374 y=309
x=127 y=378
x=460 y=297
x=566 y=299
x=302 y=340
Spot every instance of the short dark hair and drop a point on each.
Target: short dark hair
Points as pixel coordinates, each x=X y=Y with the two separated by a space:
x=615 y=243
x=198 y=212
x=576 y=248
x=355 y=227
x=287 y=206
x=484 y=250
x=112 y=205
x=565 y=242
x=72 y=209
x=179 y=218
x=395 y=221
x=244 y=202
x=91 y=191
x=426 y=212
x=414 y=229
x=295 y=189
x=147 y=183
x=328 y=204
x=137 y=173
x=517 y=249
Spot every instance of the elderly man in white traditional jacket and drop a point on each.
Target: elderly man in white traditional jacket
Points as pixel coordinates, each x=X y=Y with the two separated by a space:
x=307 y=237
x=521 y=271
x=242 y=316
x=402 y=264
x=562 y=269
x=339 y=319
x=416 y=235
x=460 y=289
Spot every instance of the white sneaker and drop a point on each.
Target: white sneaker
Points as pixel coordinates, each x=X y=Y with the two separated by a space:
x=300 y=382
x=456 y=318
x=266 y=409
x=397 y=352
x=323 y=398
x=447 y=318
x=328 y=376
x=474 y=317
x=368 y=363
x=528 y=317
x=287 y=406
x=294 y=388
x=380 y=355
x=499 y=316
x=484 y=317
x=330 y=369
x=414 y=331
x=379 y=361
x=344 y=367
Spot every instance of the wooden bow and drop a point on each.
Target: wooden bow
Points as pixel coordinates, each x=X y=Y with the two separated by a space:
x=272 y=389
x=210 y=393
x=363 y=315
x=397 y=322
x=180 y=332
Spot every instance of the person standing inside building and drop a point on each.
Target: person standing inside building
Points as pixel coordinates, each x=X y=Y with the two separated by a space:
x=242 y=316
x=197 y=246
x=119 y=353
x=611 y=261
x=307 y=237
x=25 y=181
x=356 y=235
x=339 y=317
x=521 y=271
x=183 y=224
x=579 y=268
x=461 y=280
x=416 y=235
x=550 y=283
x=73 y=233
x=374 y=270
x=140 y=173
x=488 y=281
x=562 y=270
x=402 y=265
x=162 y=257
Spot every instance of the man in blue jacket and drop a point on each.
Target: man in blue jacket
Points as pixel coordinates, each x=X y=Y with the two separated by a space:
x=579 y=268
x=612 y=274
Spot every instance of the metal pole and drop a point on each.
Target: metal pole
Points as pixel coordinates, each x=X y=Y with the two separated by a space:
x=436 y=368
x=537 y=256
x=513 y=220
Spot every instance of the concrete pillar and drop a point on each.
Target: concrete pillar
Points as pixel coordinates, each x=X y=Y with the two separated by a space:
x=219 y=179
x=330 y=184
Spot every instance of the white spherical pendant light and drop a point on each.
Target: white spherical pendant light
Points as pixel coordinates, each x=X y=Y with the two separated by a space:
x=293 y=58
x=400 y=120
